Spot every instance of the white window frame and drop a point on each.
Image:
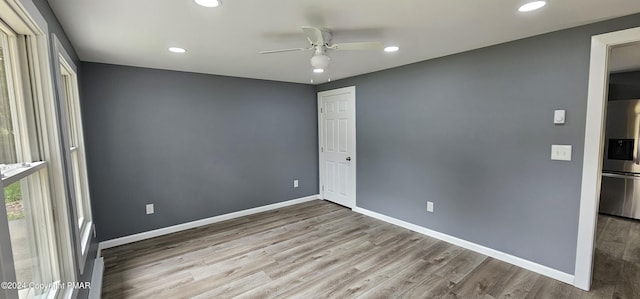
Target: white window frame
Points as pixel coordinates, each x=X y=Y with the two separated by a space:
x=24 y=18
x=66 y=81
x=26 y=172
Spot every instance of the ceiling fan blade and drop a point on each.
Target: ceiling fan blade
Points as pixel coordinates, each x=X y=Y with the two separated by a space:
x=314 y=35
x=357 y=46
x=284 y=50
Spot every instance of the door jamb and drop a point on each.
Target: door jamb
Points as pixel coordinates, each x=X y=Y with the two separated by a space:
x=593 y=149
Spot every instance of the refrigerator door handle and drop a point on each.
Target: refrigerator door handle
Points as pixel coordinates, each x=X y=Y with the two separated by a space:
x=620 y=176
x=637 y=161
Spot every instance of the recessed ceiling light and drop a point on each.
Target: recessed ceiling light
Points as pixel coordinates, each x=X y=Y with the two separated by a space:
x=532 y=6
x=209 y=3
x=390 y=49
x=177 y=50
x=318 y=71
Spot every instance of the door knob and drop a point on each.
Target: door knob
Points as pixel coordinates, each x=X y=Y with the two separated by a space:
x=348 y=158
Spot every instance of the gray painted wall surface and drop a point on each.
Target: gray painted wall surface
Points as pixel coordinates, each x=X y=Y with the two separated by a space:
x=55 y=28
x=195 y=145
x=472 y=132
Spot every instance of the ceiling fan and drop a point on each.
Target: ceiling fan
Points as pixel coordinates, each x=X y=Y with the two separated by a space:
x=320 y=41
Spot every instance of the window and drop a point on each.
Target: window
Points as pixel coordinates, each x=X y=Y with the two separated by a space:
x=67 y=82
x=36 y=248
x=29 y=215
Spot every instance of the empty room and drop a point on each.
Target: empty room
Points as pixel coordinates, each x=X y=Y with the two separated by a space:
x=319 y=149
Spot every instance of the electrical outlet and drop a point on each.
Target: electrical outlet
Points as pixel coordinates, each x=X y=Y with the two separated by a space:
x=150 y=209
x=429 y=206
x=295 y=183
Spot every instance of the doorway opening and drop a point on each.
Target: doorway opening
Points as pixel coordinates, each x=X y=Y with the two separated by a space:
x=599 y=70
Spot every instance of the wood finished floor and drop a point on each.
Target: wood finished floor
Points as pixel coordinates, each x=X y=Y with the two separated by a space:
x=321 y=250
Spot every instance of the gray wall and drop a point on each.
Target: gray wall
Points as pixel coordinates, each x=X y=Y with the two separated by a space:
x=55 y=28
x=195 y=145
x=472 y=132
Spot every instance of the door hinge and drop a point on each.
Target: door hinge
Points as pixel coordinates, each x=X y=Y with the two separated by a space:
x=322 y=149
x=320 y=110
x=322 y=187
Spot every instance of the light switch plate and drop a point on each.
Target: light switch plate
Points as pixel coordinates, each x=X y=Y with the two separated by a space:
x=150 y=209
x=561 y=152
x=559 y=117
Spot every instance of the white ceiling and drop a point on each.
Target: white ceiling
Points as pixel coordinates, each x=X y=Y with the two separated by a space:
x=226 y=40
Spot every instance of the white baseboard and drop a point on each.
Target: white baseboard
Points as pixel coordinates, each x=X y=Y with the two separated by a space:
x=193 y=224
x=514 y=260
x=96 y=279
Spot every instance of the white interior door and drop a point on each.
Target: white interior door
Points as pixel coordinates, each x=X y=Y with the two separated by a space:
x=337 y=133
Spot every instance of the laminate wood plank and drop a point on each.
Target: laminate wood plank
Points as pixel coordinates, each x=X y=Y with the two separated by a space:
x=236 y=287
x=619 y=230
x=329 y=239
x=460 y=266
x=432 y=259
x=547 y=288
x=311 y=270
x=632 y=249
x=319 y=233
x=607 y=262
x=235 y=266
x=306 y=262
x=601 y=226
x=518 y=285
x=220 y=232
x=377 y=269
x=599 y=290
x=361 y=263
x=287 y=265
x=405 y=279
x=485 y=280
x=221 y=278
x=629 y=285
x=260 y=239
x=129 y=290
x=321 y=250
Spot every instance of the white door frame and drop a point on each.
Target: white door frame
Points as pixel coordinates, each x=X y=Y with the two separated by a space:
x=593 y=148
x=351 y=89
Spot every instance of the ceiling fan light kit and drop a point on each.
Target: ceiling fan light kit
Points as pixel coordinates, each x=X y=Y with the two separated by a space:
x=320 y=41
x=320 y=61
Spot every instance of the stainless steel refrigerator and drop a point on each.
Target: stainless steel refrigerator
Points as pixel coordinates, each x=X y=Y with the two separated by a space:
x=620 y=191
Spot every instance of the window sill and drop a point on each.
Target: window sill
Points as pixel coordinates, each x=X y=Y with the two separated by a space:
x=15 y=174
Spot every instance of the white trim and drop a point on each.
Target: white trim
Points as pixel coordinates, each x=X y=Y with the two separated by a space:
x=514 y=260
x=96 y=279
x=198 y=223
x=72 y=138
x=593 y=147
